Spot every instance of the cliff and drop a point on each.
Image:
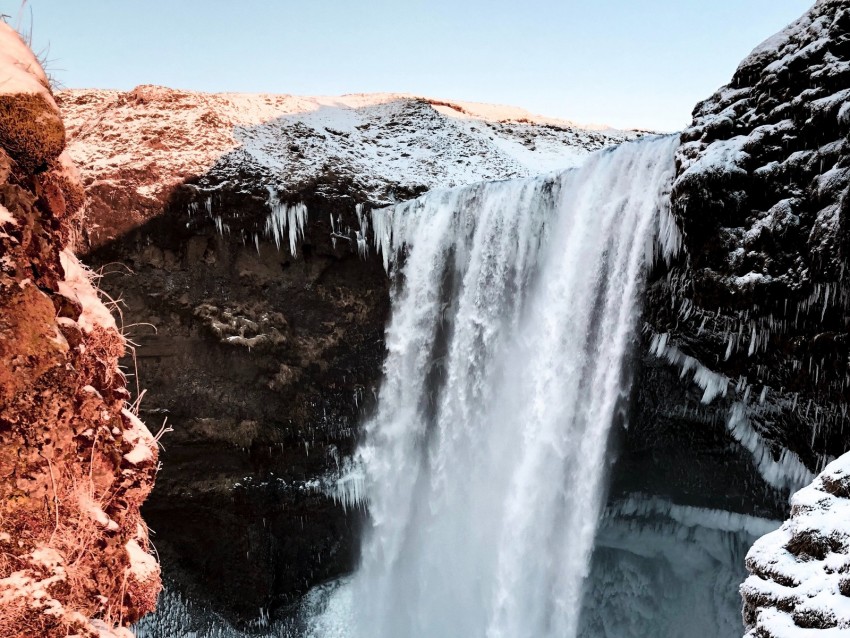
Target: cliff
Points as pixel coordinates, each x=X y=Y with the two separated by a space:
x=232 y=229
x=745 y=347
x=746 y=336
x=76 y=461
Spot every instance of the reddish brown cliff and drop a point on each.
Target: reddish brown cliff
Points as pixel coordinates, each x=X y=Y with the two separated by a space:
x=75 y=462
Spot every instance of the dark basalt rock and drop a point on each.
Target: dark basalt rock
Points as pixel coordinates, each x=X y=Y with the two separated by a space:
x=263 y=363
x=760 y=292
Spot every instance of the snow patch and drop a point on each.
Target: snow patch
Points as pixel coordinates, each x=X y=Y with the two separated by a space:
x=138 y=435
x=6 y=217
x=142 y=565
x=96 y=513
x=712 y=383
x=721 y=157
x=78 y=287
x=799 y=571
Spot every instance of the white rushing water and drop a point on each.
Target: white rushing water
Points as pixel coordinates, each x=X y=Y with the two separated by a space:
x=484 y=465
x=658 y=570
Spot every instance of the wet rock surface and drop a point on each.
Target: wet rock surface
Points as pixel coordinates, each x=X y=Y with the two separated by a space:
x=263 y=363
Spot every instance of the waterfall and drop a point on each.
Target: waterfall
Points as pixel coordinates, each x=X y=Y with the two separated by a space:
x=484 y=466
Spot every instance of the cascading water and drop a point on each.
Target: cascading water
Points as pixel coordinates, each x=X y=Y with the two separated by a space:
x=484 y=466
x=485 y=462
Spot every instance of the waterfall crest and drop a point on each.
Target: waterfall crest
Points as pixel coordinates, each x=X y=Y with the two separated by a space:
x=513 y=312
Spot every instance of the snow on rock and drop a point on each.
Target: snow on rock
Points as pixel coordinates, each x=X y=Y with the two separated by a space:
x=138 y=435
x=799 y=583
x=6 y=217
x=96 y=513
x=78 y=287
x=143 y=566
x=20 y=71
x=32 y=585
x=759 y=302
x=106 y=631
x=152 y=138
x=767 y=129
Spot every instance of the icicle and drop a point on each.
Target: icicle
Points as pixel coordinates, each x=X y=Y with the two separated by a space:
x=285 y=222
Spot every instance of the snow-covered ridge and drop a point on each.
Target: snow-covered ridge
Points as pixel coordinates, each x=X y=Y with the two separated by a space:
x=151 y=138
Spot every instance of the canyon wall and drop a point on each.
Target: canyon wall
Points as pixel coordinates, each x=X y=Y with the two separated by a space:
x=259 y=327
x=746 y=338
x=76 y=462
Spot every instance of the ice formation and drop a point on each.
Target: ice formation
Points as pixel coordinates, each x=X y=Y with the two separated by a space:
x=285 y=221
x=663 y=570
x=786 y=472
x=711 y=383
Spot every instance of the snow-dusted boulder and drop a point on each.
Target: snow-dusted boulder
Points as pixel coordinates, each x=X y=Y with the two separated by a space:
x=799 y=583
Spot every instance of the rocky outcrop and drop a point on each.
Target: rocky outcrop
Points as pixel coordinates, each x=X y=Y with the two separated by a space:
x=135 y=147
x=741 y=397
x=262 y=361
x=233 y=229
x=800 y=574
x=76 y=462
x=754 y=316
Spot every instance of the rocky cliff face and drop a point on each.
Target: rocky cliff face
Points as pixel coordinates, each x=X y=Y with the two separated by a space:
x=742 y=393
x=233 y=229
x=754 y=315
x=75 y=460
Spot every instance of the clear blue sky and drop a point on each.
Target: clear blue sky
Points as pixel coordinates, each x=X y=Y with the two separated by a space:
x=642 y=63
